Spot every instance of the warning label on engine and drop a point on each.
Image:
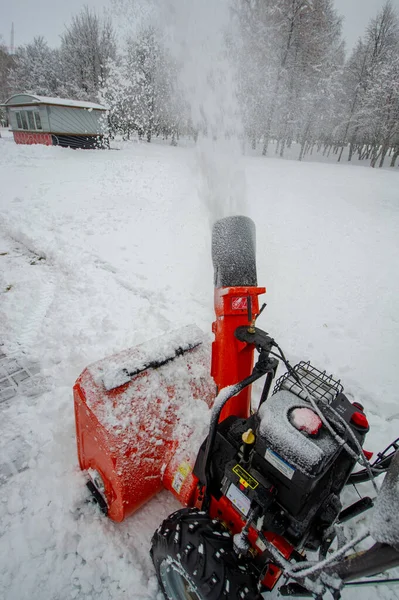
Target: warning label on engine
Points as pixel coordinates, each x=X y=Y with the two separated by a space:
x=245 y=478
x=280 y=464
x=239 y=499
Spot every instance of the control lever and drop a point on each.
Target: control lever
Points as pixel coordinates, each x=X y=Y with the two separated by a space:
x=252 y=320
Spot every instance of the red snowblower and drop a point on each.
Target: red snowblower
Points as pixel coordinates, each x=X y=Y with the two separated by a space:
x=261 y=489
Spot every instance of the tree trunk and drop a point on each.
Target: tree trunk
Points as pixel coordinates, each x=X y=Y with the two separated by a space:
x=340 y=154
x=384 y=151
x=375 y=156
x=266 y=139
x=282 y=148
x=395 y=156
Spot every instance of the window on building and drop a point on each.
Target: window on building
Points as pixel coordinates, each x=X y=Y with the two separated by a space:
x=24 y=120
x=38 y=120
x=31 y=120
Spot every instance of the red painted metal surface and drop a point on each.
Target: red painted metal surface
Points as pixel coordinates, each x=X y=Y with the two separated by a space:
x=232 y=360
x=25 y=137
x=129 y=434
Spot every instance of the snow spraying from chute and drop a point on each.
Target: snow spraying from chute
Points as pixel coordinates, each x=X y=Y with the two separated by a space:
x=202 y=37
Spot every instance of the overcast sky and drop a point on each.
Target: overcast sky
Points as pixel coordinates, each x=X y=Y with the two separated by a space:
x=48 y=17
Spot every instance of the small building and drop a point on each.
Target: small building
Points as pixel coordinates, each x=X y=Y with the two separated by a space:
x=56 y=121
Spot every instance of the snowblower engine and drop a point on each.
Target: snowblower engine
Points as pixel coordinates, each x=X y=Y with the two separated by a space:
x=284 y=462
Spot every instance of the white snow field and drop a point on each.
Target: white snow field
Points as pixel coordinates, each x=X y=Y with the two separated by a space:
x=100 y=250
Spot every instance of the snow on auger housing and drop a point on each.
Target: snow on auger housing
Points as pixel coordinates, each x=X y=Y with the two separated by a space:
x=264 y=487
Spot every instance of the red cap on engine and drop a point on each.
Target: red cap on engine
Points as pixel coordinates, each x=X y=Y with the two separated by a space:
x=305 y=419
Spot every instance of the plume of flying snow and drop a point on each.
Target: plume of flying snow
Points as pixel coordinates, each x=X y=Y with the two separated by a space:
x=201 y=35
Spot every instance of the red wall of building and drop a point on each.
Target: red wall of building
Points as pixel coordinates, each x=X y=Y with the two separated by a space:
x=23 y=137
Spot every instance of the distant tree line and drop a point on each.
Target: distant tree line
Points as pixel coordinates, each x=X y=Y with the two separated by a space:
x=294 y=82
x=301 y=89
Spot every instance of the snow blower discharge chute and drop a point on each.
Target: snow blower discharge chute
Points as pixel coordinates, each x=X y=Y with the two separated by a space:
x=261 y=492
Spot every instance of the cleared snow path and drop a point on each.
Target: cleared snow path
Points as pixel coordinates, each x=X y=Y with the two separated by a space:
x=122 y=247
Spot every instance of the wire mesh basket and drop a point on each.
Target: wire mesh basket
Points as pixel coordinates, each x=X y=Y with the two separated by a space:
x=318 y=383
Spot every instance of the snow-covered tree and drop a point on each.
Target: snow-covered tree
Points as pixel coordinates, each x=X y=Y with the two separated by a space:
x=6 y=65
x=292 y=54
x=371 y=82
x=34 y=69
x=320 y=61
x=86 y=48
x=141 y=89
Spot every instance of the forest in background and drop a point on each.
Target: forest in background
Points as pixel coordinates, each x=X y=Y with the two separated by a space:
x=294 y=82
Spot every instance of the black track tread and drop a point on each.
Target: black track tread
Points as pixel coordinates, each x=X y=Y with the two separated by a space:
x=192 y=528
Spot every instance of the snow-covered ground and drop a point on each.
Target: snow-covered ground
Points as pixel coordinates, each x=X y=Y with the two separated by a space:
x=99 y=248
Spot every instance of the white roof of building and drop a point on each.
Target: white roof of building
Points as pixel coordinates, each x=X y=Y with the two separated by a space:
x=56 y=101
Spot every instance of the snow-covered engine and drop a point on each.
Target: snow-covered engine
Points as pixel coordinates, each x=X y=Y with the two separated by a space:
x=289 y=461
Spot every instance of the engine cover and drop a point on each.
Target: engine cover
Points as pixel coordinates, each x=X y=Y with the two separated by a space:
x=284 y=446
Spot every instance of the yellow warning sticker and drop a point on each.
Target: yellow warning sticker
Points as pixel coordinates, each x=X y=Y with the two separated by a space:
x=180 y=476
x=245 y=478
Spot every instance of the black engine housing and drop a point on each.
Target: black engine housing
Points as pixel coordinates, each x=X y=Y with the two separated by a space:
x=293 y=478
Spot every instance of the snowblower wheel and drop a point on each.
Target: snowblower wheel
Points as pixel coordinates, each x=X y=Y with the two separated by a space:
x=194 y=559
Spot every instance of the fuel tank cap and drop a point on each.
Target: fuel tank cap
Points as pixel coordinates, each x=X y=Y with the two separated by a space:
x=306 y=420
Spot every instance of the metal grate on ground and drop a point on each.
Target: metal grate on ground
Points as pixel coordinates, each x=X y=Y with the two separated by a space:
x=14 y=372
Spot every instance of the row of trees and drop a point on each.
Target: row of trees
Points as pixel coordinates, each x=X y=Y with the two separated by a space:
x=294 y=84
x=301 y=89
